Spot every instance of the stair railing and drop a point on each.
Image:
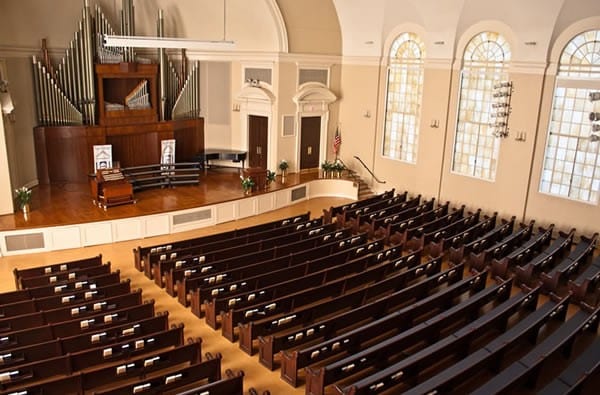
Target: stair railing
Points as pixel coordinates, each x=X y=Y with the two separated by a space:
x=369 y=170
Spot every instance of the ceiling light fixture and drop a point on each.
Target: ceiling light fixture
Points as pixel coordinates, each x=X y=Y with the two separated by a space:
x=165 y=42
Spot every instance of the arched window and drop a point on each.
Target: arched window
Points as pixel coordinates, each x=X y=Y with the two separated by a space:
x=403 y=102
x=485 y=62
x=571 y=159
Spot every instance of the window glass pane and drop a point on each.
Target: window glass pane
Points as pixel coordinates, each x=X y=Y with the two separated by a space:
x=476 y=150
x=571 y=157
x=403 y=102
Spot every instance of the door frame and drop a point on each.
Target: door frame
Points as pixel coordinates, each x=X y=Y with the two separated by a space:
x=258 y=100
x=313 y=100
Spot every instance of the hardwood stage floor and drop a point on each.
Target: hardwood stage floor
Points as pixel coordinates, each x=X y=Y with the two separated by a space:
x=69 y=203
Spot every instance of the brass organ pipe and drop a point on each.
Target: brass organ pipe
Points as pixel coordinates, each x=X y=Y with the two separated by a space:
x=36 y=84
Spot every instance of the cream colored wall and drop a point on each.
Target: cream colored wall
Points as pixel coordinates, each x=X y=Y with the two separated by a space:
x=6 y=197
x=424 y=176
x=359 y=95
x=287 y=145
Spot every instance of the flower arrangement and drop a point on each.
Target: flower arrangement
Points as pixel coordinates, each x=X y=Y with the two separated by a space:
x=327 y=167
x=283 y=165
x=270 y=176
x=23 y=196
x=247 y=183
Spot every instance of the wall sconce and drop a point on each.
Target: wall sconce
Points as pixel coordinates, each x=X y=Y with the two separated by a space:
x=6 y=102
x=367 y=114
x=521 y=136
x=501 y=108
x=594 y=96
x=236 y=107
x=435 y=123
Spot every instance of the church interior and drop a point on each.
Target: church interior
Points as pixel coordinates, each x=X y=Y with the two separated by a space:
x=319 y=197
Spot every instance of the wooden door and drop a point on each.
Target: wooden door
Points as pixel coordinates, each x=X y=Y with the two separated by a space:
x=310 y=141
x=258 y=128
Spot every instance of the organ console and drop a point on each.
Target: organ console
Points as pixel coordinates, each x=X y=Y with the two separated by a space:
x=110 y=188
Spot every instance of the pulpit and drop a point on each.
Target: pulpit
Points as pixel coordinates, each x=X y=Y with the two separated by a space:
x=258 y=175
x=110 y=188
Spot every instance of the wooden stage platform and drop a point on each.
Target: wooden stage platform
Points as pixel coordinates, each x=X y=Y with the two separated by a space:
x=67 y=204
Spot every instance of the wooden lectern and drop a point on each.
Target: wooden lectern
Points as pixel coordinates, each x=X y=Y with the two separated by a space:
x=259 y=175
x=110 y=188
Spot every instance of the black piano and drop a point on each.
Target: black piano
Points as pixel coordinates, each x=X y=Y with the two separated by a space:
x=221 y=154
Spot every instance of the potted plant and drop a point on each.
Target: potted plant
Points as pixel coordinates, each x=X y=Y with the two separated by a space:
x=23 y=198
x=247 y=184
x=338 y=168
x=270 y=178
x=283 y=166
x=326 y=167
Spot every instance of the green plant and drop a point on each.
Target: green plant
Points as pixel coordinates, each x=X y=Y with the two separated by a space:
x=283 y=165
x=23 y=196
x=338 y=166
x=270 y=176
x=326 y=166
x=247 y=183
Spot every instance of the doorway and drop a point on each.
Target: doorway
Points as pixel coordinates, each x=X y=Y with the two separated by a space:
x=258 y=128
x=310 y=142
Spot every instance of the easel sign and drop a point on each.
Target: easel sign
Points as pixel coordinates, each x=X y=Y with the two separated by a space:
x=167 y=152
x=102 y=157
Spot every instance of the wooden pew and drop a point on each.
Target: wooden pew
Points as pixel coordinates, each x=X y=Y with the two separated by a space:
x=436 y=229
x=547 y=259
x=377 y=227
x=58 y=385
x=574 y=378
x=11 y=358
x=55 y=268
x=207 y=371
x=75 y=285
x=441 y=245
x=571 y=264
x=505 y=228
x=285 y=304
x=140 y=253
x=81 y=296
x=141 y=366
x=523 y=253
x=213 y=306
x=125 y=350
x=586 y=282
x=16 y=323
x=525 y=371
x=232 y=384
x=15 y=378
x=399 y=232
x=116 y=334
x=299 y=232
x=291 y=254
x=17 y=308
x=331 y=213
x=14 y=296
x=479 y=261
x=397 y=318
x=63 y=277
x=103 y=321
x=429 y=332
x=492 y=354
x=93 y=308
x=354 y=218
x=357 y=271
x=341 y=313
x=452 y=347
x=20 y=338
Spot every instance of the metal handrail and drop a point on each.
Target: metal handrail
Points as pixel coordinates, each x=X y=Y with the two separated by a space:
x=369 y=170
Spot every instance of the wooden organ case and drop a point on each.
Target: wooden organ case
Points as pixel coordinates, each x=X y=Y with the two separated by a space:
x=111 y=96
x=110 y=188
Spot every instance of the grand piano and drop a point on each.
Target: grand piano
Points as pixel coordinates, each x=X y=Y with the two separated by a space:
x=221 y=154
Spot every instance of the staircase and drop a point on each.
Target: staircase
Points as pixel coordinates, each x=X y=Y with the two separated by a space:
x=364 y=191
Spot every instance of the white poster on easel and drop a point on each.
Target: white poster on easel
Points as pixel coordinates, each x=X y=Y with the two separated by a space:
x=102 y=157
x=167 y=152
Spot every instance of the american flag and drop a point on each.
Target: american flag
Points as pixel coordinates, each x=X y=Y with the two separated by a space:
x=337 y=141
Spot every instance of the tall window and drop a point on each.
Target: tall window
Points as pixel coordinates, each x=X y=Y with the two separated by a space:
x=485 y=63
x=404 y=91
x=571 y=159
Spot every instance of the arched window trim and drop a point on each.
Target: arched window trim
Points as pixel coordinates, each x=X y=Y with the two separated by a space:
x=486 y=60
x=404 y=90
x=570 y=168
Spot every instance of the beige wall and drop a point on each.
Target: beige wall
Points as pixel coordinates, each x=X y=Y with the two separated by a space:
x=6 y=197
